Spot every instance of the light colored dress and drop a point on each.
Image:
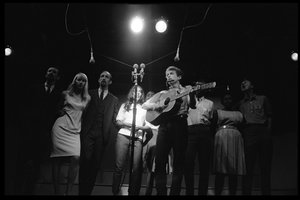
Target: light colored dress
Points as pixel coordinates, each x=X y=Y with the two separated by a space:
x=66 y=129
x=229 y=155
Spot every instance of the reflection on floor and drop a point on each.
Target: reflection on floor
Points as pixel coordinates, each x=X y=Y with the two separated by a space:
x=284 y=174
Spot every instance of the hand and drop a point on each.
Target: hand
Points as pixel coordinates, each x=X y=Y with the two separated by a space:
x=137 y=128
x=162 y=104
x=148 y=136
x=192 y=93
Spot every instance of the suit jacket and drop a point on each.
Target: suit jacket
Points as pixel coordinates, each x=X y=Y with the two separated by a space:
x=38 y=111
x=110 y=114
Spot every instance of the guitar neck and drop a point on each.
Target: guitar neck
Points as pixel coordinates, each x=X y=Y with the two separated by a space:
x=179 y=95
x=198 y=87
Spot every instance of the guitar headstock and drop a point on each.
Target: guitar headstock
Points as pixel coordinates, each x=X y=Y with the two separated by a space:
x=204 y=86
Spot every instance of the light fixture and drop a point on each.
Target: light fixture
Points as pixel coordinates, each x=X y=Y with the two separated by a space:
x=137 y=24
x=161 y=25
x=8 y=50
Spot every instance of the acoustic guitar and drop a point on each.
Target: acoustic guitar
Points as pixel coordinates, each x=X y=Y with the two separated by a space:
x=172 y=101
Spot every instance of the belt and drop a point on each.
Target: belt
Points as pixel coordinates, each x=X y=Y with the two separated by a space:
x=226 y=127
x=181 y=116
x=194 y=125
x=255 y=124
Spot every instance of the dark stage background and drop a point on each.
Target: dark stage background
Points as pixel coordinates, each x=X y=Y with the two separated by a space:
x=235 y=41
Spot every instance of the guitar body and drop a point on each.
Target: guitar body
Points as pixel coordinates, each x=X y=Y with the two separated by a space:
x=173 y=101
x=156 y=117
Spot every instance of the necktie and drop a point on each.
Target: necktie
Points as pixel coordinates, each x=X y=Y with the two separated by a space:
x=48 y=90
x=101 y=95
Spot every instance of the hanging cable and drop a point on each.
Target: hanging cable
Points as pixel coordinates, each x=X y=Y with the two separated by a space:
x=66 y=23
x=183 y=28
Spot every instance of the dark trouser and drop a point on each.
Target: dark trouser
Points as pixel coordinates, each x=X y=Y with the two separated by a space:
x=122 y=148
x=257 y=142
x=232 y=183
x=92 y=150
x=171 y=134
x=199 y=141
x=149 y=164
x=31 y=153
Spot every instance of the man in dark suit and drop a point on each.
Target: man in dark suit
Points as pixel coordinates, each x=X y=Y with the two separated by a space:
x=38 y=113
x=95 y=132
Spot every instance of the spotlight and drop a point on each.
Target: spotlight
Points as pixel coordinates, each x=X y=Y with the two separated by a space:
x=8 y=51
x=294 y=56
x=137 y=24
x=161 y=25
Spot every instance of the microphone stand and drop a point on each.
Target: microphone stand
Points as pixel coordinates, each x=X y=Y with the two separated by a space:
x=135 y=75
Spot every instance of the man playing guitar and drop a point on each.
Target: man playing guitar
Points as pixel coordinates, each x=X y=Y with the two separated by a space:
x=172 y=132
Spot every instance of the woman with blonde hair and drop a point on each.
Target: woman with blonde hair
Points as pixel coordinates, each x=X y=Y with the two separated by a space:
x=65 y=131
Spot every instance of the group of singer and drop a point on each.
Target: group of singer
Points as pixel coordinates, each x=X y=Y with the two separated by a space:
x=172 y=128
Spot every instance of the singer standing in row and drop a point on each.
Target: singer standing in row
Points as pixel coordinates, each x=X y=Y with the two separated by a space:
x=229 y=157
x=172 y=132
x=35 y=120
x=200 y=141
x=66 y=129
x=95 y=133
x=149 y=145
x=257 y=137
x=123 y=140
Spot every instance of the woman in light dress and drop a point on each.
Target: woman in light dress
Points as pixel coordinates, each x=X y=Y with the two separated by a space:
x=66 y=129
x=229 y=159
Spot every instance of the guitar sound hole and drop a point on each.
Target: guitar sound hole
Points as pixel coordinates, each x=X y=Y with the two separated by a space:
x=167 y=101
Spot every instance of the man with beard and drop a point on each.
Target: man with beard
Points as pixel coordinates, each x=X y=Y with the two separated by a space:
x=95 y=132
x=38 y=114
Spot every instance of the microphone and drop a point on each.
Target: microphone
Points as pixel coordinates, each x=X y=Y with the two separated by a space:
x=133 y=74
x=176 y=59
x=135 y=66
x=92 y=60
x=142 y=66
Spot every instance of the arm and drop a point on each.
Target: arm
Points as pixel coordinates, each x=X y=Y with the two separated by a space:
x=213 y=122
x=115 y=112
x=122 y=124
x=268 y=111
x=192 y=99
x=60 y=106
x=148 y=136
x=154 y=103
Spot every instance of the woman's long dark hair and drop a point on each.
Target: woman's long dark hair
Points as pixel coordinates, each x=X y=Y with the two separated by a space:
x=130 y=97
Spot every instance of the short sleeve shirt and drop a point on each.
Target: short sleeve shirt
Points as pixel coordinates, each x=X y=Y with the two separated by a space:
x=203 y=112
x=256 y=110
x=127 y=116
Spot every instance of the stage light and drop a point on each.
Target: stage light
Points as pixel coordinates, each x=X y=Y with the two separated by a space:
x=137 y=24
x=161 y=25
x=8 y=51
x=294 y=56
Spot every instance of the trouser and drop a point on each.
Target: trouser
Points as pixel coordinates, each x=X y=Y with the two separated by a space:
x=122 y=148
x=199 y=142
x=31 y=153
x=173 y=133
x=92 y=150
x=258 y=143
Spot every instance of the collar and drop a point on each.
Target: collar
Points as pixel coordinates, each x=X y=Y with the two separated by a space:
x=51 y=86
x=100 y=90
x=201 y=98
x=251 y=98
x=180 y=88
